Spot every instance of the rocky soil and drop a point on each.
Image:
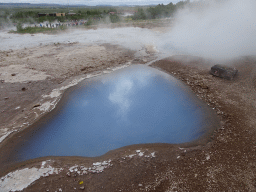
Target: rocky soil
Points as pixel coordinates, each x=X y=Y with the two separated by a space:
x=226 y=163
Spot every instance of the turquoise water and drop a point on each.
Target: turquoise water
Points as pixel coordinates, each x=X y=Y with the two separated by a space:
x=135 y=105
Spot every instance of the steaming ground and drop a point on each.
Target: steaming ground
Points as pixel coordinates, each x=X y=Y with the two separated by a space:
x=131 y=38
x=216 y=30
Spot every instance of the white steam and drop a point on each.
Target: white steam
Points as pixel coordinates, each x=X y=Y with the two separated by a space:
x=215 y=29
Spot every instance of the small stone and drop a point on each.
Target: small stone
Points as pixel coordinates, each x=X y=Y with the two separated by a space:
x=68 y=174
x=13 y=74
x=23 y=89
x=37 y=105
x=140 y=185
x=6 y=98
x=218 y=112
x=203 y=86
x=82 y=188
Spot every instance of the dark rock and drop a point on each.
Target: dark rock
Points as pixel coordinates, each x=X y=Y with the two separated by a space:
x=223 y=71
x=86 y=68
x=37 y=105
x=13 y=74
x=23 y=89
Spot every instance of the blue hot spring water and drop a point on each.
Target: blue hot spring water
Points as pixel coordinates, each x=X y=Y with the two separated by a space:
x=134 y=105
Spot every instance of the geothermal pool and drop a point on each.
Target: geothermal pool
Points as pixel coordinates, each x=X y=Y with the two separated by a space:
x=134 y=105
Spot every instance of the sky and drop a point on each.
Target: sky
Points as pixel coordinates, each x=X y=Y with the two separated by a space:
x=94 y=2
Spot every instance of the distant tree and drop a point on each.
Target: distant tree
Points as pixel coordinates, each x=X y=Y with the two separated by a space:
x=160 y=11
x=112 y=10
x=114 y=18
x=181 y=4
x=140 y=14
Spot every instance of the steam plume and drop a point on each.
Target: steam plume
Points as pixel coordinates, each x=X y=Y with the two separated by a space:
x=215 y=29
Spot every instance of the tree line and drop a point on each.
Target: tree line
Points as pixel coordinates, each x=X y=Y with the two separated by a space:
x=159 y=11
x=90 y=14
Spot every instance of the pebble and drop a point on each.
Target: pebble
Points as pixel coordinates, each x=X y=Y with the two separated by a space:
x=37 y=105
x=82 y=188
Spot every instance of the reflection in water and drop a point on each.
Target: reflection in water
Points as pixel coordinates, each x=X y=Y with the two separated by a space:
x=131 y=106
x=125 y=86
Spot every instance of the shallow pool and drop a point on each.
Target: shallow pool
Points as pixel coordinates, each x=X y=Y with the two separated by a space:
x=135 y=105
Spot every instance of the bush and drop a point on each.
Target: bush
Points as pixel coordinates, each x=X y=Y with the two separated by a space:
x=19 y=27
x=114 y=18
x=89 y=22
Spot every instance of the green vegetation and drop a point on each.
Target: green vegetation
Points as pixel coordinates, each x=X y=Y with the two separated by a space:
x=114 y=18
x=89 y=22
x=93 y=15
x=159 y=11
x=19 y=27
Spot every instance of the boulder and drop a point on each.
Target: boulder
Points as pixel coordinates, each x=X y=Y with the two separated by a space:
x=223 y=71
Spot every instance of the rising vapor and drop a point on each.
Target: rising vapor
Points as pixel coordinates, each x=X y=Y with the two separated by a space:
x=215 y=29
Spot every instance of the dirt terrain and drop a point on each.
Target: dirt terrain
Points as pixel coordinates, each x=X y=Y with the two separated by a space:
x=33 y=79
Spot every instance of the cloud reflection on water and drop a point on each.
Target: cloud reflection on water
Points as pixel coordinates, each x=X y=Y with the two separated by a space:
x=125 y=87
